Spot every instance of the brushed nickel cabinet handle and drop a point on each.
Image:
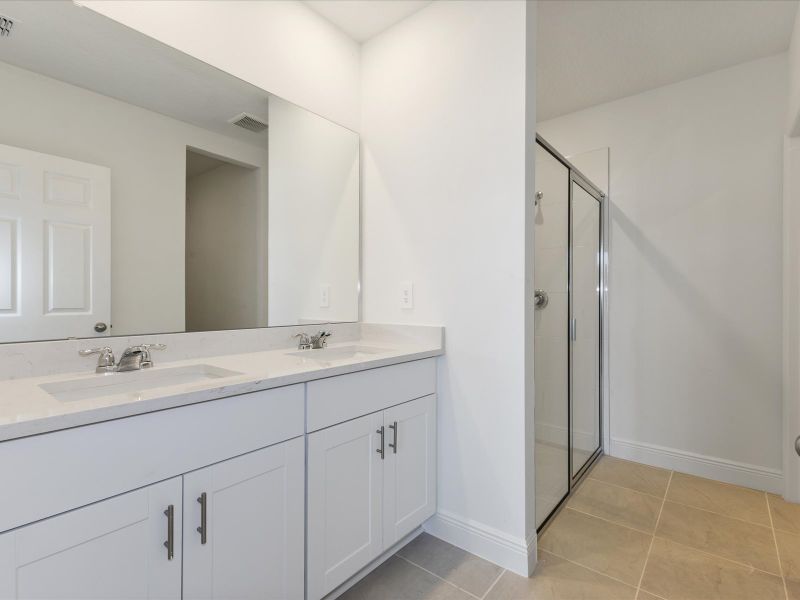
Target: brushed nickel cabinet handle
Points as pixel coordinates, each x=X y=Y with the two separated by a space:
x=203 y=529
x=797 y=445
x=380 y=450
x=170 y=543
x=393 y=445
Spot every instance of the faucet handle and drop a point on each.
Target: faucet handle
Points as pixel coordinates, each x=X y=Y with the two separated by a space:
x=131 y=362
x=147 y=361
x=318 y=341
x=105 y=362
x=154 y=346
x=304 y=343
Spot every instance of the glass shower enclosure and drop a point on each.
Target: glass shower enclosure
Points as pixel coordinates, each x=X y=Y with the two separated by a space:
x=567 y=327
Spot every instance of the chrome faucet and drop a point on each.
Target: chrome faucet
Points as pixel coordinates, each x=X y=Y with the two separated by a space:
x=133 y=359
x=316 y=342
x=304 y=341
x=320 y=340
x=138 y=357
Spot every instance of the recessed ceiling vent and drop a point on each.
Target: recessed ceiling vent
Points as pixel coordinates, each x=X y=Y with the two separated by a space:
x=249 y=122
x=6 y=25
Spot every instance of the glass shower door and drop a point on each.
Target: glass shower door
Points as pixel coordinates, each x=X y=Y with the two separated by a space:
x=551 y=349
x=584 y=326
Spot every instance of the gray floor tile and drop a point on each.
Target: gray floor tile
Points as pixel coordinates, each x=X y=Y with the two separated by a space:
x=397 y=579
x=461 y=568
x=558 y=579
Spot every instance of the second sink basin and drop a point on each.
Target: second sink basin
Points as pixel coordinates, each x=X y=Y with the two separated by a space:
x=132 y=381
x=340 y=353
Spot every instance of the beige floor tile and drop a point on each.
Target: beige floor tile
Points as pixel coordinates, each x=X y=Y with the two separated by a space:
x=611 y=549
x=646 y=596
x=641 y=478
x=465 y=570
x=729 y=538
x=558 y=579
x=793 y=589
x=785 y=515
x=620 y=505
x=397 y=579
x=729 y=500
x=789 y=548
x=676 y=572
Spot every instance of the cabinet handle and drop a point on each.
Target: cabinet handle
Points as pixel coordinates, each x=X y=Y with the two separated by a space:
x=380 y=450
x=170 y=543
x=393 y=445
x=203 y=529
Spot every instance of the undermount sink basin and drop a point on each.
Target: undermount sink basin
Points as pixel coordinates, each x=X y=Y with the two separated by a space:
x=132 y=381
x=340 y=353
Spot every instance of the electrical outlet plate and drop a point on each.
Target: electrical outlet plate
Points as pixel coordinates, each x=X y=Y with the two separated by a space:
x=406 y=294
x=325 y=295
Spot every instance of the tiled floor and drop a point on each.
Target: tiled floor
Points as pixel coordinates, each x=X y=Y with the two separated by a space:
x=629 y=532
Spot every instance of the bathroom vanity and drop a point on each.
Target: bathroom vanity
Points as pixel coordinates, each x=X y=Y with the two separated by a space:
x=168 y=232
x=282 y=479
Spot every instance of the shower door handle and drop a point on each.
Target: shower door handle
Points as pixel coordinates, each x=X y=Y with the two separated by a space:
x=540 y=299
x=573 y=329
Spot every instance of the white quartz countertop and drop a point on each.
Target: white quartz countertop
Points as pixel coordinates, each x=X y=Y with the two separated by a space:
x=27 y=409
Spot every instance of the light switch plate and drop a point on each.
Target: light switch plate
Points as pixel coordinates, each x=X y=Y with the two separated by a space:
x=406 y=294
x=325 y=295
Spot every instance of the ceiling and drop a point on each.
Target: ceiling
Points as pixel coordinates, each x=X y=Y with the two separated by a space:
x=595 y=51
x=364 y=19
x=78 y=46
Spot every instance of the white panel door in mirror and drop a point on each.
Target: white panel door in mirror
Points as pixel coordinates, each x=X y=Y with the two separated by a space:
x=55 y=227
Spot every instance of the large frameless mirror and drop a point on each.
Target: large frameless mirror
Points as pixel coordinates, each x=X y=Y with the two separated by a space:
x=144 y=191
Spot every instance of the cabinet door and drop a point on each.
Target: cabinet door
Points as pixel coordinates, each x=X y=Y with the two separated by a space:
x=254 y=526
x=409 y=478
x=111 y=550
x=344 y=502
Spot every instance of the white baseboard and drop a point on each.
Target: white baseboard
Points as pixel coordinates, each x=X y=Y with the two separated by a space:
x=515 y=554
x=711 y=467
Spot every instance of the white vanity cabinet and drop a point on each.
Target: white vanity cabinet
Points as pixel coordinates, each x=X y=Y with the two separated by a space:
x=74 y=530
x=130 y=547
x=111 y=550
x=244 y=522
x=278 y=494
x=371 y=479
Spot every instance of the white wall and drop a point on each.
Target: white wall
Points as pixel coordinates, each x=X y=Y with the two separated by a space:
x=444 y=182
x=695 y=294
x=313 y=217
x=281 y=46
x=224 y=207
x=146 y=153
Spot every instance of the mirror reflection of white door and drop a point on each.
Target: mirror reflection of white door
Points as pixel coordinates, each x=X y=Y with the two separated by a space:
x=55 y=246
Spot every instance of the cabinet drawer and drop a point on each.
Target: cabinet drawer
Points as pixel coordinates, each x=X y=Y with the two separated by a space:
x=337 y=399
x=55 y=472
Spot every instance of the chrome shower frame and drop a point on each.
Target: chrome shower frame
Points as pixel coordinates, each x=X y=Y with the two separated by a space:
x=576 y=177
